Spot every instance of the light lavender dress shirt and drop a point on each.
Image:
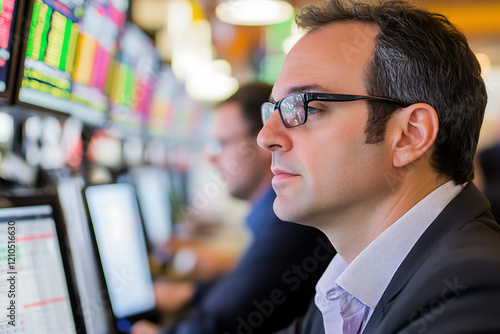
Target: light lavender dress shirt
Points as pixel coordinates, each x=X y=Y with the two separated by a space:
x=346 y=295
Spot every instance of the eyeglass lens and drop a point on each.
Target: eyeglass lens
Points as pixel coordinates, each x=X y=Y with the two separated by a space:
x=292 y=110
x=267 y=110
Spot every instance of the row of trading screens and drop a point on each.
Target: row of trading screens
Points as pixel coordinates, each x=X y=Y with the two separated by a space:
x=82 y=58
x=103 y=282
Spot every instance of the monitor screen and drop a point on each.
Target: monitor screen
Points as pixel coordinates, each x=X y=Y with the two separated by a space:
x=94 y=305
x=133 y=78
x=118 y=230
x=67 y=57
x=153 y=188
x=35 y=285
x=161 y=120
x=173 y=113
x=99 y=31
x=8 y=46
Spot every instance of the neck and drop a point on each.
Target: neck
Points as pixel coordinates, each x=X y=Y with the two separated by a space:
x=354 y=229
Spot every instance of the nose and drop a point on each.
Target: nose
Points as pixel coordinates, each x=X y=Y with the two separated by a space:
x=274 y=135
x=212 y=158
x=213 y=150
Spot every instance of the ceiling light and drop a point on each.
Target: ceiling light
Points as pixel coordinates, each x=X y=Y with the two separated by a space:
x=211 y=81
x=254 y=12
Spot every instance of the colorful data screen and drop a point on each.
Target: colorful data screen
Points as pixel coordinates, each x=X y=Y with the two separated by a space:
x=162 y=113
x=68 y=55
x=173 y=113
x=99 y=30
x=50 y=53
x=7 y=16
x=133 y=77
x=33 y=281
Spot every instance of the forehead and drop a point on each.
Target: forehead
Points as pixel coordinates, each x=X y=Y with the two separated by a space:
x=229 y=120
x=330 y=59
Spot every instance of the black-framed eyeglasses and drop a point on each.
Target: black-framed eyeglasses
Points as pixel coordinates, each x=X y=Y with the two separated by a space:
x=294 y=108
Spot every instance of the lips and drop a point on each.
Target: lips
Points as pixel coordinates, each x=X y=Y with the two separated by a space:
x=280 y=174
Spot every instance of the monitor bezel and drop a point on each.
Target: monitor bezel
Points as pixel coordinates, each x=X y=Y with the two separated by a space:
x=131 y=174
x=7 y=96
x=24 y=30
x=95 y=119
x=146 y=315
x=101 y=299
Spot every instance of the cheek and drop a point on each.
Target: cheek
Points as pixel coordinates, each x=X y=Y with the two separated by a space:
x=323 y=175
x=338 y=159
x=229 y=165
x=247 y=152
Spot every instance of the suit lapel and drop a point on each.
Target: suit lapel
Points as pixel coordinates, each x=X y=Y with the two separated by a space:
x=467 y=205
x=313 y=321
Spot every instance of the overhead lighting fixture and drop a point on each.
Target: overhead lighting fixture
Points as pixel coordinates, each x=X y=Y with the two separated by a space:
x=254 y=12
x=211 y=81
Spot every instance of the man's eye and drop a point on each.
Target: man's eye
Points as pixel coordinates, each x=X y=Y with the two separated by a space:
x=311 y=110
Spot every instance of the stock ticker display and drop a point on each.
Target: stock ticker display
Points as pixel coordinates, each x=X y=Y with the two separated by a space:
x=133 y=77
x=71 y=44
x=33 y=281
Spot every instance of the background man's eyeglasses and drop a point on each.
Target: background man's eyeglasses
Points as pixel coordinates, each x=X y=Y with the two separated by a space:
x=293 y=109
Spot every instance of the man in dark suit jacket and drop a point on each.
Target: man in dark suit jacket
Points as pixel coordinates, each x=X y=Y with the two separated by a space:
x=464 y=281
x=373 y=127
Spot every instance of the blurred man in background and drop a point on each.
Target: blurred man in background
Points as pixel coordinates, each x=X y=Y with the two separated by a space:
x=274 y=280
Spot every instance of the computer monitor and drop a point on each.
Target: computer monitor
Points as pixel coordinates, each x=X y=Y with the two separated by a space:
x=65 y=61
x=179 y=194
x=119 y=237
x=10 y=14
x=94 y=302
x=161 y=118
x=153 y=187
x=36 y=285
x=100 y=28
x=133 y=78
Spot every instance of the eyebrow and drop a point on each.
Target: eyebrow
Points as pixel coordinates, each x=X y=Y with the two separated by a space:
x=301 y=89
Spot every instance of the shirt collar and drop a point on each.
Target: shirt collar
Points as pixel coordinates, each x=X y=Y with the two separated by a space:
x=370 y=272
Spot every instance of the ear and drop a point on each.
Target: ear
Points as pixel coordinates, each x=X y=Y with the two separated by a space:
x=414 y=132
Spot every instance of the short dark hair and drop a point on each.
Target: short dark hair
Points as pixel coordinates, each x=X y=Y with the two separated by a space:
x=419 y=57
x=250 y=97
